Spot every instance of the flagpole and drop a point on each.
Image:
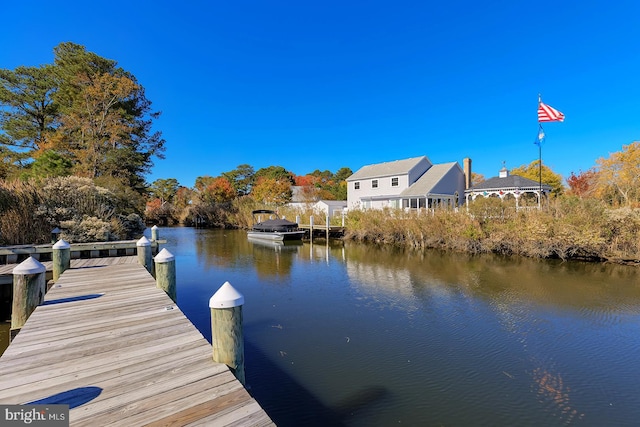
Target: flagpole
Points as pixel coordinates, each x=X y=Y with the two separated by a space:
x=540 y=130
x=546 y=113
x=540 y=166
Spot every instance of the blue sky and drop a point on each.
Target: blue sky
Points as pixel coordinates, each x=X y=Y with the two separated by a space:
x=332 y=84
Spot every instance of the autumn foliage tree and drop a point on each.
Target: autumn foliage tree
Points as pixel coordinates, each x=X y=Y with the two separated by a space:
x=619 y=176
x=105 y=118
x=220 y=190
x=85 y=110
x=532 y=172
x=272 y=191
x=210 y=190
x=583 y=184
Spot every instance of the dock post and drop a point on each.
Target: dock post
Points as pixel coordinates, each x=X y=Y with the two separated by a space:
x=29 y=287
x=328 y=221
x=154 y=233
x=226 y=329
x=61 y=258
x=311 y=228
x=166 y=272
x=144 y=253
x=54 y=235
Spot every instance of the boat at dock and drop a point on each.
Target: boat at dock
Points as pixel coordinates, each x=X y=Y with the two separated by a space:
x=274 y=229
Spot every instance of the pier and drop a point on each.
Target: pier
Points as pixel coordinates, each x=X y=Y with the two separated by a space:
x=15 y=254
x=322 y=230
x=116 y=349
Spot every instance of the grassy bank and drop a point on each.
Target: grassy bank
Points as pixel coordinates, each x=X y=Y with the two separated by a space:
x=566 y=228
x=569 y=228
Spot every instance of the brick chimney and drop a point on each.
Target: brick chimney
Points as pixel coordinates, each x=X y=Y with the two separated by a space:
x=466 y=162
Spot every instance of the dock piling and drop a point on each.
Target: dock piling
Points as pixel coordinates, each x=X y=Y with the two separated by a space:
x=29 y=287
x=226 y=329
x=154 y=233
x=144 y=253
x=166 y=273
x=61 y=258
x=54 y=234
x=328 y=221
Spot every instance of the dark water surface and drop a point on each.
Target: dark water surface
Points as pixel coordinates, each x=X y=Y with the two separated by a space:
x=362 y=336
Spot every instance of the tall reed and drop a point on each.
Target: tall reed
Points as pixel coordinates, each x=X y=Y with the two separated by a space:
x=568 y=228
x=19 y=225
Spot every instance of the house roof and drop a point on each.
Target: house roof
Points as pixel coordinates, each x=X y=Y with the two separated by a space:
x=333 y=202
x=302 y=194
x=396 y=167
x=511 y=181
x=429 y=179
x=297 y=196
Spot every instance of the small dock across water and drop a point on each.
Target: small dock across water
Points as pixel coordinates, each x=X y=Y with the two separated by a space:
x=120 y=352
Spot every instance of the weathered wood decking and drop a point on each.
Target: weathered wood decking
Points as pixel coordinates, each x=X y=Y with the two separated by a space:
x=121 y=353
x=6 y=271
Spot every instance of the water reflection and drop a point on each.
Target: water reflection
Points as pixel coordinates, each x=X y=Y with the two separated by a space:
x=575 y=285
x=272 y=258
x=376 y=336
x=530 y=299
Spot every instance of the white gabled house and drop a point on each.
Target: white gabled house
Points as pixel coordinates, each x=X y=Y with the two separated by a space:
x=410 y=183
x=330 y=207
x=308 y=198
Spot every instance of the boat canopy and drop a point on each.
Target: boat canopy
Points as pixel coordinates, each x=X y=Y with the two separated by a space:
x=275 y=225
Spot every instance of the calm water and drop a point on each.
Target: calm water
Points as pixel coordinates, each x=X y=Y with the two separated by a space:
x=356 y=335
x=361 y=336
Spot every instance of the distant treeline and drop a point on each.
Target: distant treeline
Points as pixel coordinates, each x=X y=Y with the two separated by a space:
x=213 y=201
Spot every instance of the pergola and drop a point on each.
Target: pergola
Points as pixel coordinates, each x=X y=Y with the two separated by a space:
x=506 y=185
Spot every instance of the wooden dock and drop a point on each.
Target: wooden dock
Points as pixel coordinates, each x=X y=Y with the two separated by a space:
x=18 y=253
x=121 y=353
x=321 y=230
x=6 y=271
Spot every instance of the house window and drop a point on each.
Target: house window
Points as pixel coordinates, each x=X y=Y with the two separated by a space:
x=356 y=185
x=374 y=183
x=394 y=182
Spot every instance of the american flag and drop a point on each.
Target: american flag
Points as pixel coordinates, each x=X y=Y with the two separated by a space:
x=547 y=113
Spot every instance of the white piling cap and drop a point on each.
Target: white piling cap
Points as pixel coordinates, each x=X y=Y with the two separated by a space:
x=226 y=297
x=143 y=242
x=30 y=266
x=155 y=227
x=164 y=256
x=61 y=244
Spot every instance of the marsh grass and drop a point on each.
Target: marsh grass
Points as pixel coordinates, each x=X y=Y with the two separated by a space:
x=568 y=228
x=18 y=224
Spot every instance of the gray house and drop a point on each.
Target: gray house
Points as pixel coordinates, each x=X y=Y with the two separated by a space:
x=410 y=183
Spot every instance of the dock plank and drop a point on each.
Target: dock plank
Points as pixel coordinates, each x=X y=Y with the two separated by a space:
x=107 y=327
x=6 y=270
